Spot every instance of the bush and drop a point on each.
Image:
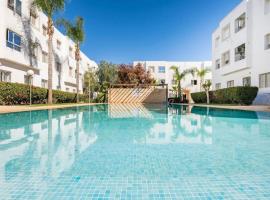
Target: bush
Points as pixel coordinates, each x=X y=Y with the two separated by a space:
x=18 y=94
x=234 y=95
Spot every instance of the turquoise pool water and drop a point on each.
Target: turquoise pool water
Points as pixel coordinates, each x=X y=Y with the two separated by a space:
x=135 y=152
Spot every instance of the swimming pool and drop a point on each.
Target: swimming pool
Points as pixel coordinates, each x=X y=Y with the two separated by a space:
x=135 y=152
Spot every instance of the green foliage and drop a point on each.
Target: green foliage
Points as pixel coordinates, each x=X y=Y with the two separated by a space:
x=75 y=30
x=49 y=7
x=234 y=95
x=18 y=94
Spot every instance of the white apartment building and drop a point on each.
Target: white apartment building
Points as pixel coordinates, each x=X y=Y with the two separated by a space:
x=241 y=49
x=161 y=71
x=24 y=47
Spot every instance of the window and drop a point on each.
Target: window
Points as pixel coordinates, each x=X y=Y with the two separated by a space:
x=217 y=63
x=161 y=69
x=74 y=90
x=264 y=80
x=247 y=81
x=266 y=6
x=162 y=81
x=226 y=58
x=240 y=23
x=67 y=89
x=16 y=6
x=33 y=17
x=58 y=44
x=240 y=52
x=13 y=40
x=11 y=4
x=70 y=71
x=44 y=57
x=44 y=30
x=226 y=32
x=44 y=83
x=267 y=41
x=230 y=84
x=217 y=41
x=71 y=52
x=218 y=86
x=34 y=49
x=193 y=82
x=26 y=79
x=58 y=66
x=5 y=76
x=152 y=69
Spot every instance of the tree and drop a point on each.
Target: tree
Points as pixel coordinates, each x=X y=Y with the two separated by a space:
x=178 y=77
x=90 y=82
x=75 y=31
x=50 y=7
x=201 y=73
x=106 y=74
x=127 y=74
x=207 y=86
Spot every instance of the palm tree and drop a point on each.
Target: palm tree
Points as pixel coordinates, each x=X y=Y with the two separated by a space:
x=201 y=73
x=76 y=32
x=206 y=86
x=50 y=7
x=178 y=77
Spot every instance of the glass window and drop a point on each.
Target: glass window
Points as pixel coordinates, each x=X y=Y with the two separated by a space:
x=44 y=30
x=230 y=84
x=152 y=69
x=264 y=80
x=161 y=69
x=44 y=83
x=13 y=40
x=226 y=58
x=240 y=23
x=267 y=41
x=240 y=52
x=193 y=82
x=5 y=76
x=226 y=32
x=70 y=71
x=266 y=6
x=44 y=57
x=247 y=81
x=218 y=86
x=58 y=66
x=217 y=63
x=19 y=7
x=217 y=41
x=11 y=4
x=71 y=52
x=58 y=44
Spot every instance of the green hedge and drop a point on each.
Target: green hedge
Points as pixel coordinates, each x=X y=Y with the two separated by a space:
x=18 y=94
x=234 y=95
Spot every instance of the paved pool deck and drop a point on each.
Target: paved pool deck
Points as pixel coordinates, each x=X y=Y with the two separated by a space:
x=22 y=108
x=257 y=108
x=12 y=109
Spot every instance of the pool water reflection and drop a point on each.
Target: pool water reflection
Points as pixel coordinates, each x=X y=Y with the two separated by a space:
x=135 y=152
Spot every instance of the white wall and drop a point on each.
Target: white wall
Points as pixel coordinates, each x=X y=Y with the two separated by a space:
x=18 y=63
x=168 y=75
x=257 y=59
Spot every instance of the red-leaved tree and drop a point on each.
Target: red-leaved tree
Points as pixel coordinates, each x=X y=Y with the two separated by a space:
x=127 y=74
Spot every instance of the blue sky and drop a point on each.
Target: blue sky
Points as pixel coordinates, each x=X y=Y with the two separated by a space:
x=122 y=31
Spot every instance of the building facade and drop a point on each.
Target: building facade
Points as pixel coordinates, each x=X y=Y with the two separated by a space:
x=241 y=49
x=161 y=71
x=24 y=47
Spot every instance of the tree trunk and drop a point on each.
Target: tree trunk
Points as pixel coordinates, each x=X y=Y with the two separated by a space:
x=179 y=91
x=50 y=31
x=207 y=96
x=77 y=56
